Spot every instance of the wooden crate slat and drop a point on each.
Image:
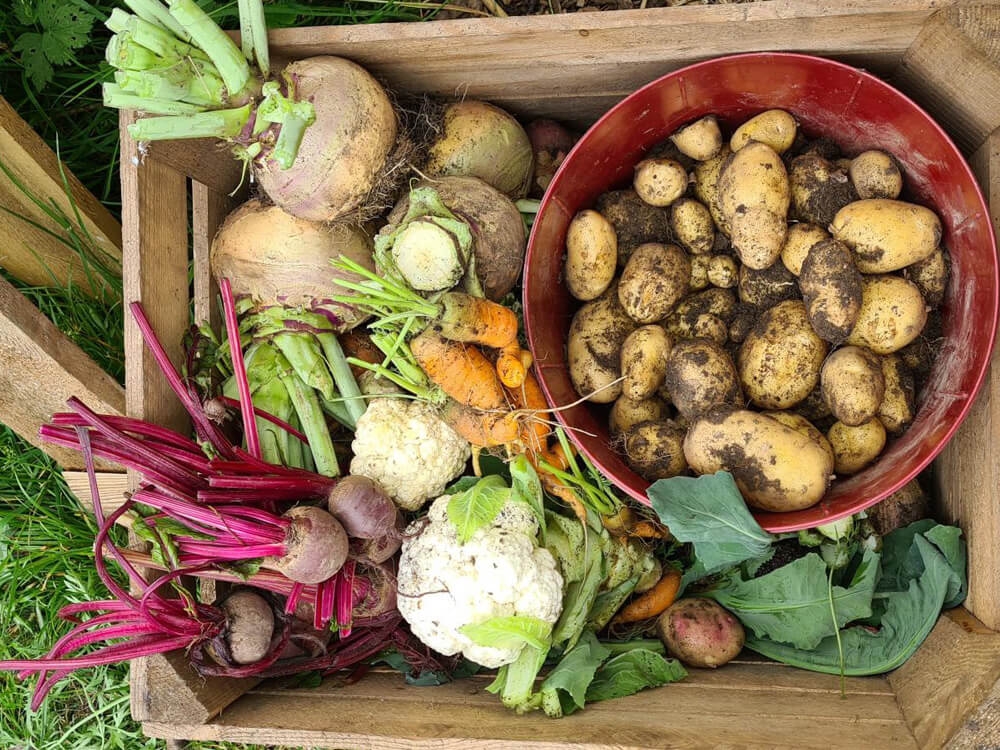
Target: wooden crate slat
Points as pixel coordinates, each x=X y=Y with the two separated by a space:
x=30 y=254
x=111 y=486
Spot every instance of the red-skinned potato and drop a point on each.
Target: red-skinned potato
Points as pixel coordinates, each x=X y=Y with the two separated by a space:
x=701 y=632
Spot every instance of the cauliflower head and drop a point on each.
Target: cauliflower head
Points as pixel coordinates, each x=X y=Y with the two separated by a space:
x=499 y=572
x=408 y=449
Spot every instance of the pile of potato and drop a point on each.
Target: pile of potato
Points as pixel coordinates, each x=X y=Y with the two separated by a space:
x=759 y=305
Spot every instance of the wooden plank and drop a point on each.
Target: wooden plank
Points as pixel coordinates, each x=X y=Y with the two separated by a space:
x=28 y=253
x=953 y=69
x=42 y=369
x=209 y=209
x=982 y=727
x=741 y=711
x=948 y=678
x=968 y=470
x=111 y=486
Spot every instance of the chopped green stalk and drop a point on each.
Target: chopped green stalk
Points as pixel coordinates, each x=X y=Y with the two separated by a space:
x=124 y=54
x=174 y=82
x=336 y=361
x=156 y=13
x=116 y=96
x=311 y=418
x=303 y=354
x=219 y=123
x=294 y=117
x=153 y=38
x=516 y=681
x=253 y=35
x=297 y=452
x=338 y=410
x=214 y=42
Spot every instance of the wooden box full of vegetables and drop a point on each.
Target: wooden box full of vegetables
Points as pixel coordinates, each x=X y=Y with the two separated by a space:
x=572 y=68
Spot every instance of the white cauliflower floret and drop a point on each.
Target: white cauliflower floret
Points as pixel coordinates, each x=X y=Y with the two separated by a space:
x=499 y=572
x=408 y=449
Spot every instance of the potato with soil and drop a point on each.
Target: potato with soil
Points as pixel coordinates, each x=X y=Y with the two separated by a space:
x=593 y=347
x=706 y=186
x=887 y=235
x=701 y=632
x=852 y=384
x=856 y=446
x=754 y=197
x=722 y=271
x=635 y=221
x=898 y=407
x=659 y=182
x=644 y=361
x=626 y=413
x=903 y=507
x=699 y=140
x=875 y=174
x=767 y=287
x=831 y=290
x=591 y=255
x=655 y=278
x=799 y=240
x=800 y=424
x=693 y=226
x=776 y=467
x=700 y=375
x=819 y=189
x=931 y=276
x=655 y=450
x=774 y=127
x=893 y=313
x=779 y=361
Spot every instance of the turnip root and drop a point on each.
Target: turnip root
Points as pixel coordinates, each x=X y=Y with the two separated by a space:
x=700 y=632
x=249 y=626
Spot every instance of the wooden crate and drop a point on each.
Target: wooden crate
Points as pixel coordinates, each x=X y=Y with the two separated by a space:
x=944 y=54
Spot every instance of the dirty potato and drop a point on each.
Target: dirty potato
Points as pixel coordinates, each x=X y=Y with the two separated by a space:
x=699 y=140
x=635 y=221
x=875 y=174
x=776 y=467
x=723 y=271
x=898 y=406
x=700 y=375
x=779 y=361
x=819 y=189
x=852 y=384
x=644 y=361
x=693 y=225
x=800 y=238
x=800 y=424
x=766 y=287
x=887 y=235
x=655 y=450
x=931 y=276
x=593 y=347
x=775 y=127
x=659 y=182
x=706 y=186
x=591 y=255
x=655 y=278
x=831 y=289
x=625 y=413
x=893 y=313
x=855 y=447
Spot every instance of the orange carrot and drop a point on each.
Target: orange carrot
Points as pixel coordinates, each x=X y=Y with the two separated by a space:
x=474 y=320
x=529 y=399
x=484 y=429
x=460 y=370
x=510 y=366
x=653 y=602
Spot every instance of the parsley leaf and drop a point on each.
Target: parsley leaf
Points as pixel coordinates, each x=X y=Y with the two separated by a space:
x=64 y=28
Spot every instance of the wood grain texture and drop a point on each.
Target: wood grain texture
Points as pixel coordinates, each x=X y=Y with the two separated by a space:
x=209 y=208
x=968 y=470
x=982 y=728
x=742 y=705
x=28 y=253
x=41 y=369
x=111 y=486
x=947 y=679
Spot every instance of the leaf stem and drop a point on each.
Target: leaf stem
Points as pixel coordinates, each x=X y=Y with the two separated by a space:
x=219 y=123
x=214 y=42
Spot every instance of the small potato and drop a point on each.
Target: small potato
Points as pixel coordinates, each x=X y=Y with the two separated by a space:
x=898 y=402
x=659 y=182
x=701 y=632
x=625 y=413
x=742 y=323
x=780 y=360
x=699 y=140
x=775 y=127
x=776 y=467
x=705 y=326
x=931 y=276
x=831 y=289
x=720 y=302
x=693 y=226
x=644 y=361
x=591 y=255
x=856 y=447
x=800 y=424
x=819 y=189
x=798 y=241
x=852 y=384
x=699 y=273
x=635 y=221
x=885 y=234
x=706 y=186
x=655 y=278
x=875 y=174
x=892 y=314
x=754 y=197
x=593 y=347
x=767 y=287
x=655 y=450
x=700 y=375
x=723 y=271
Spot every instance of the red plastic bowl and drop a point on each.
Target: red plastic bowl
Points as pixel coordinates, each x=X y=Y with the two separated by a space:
x=859 y=112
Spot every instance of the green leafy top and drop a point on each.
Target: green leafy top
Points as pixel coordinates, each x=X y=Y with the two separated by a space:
x=475 y=503
x=62 y=28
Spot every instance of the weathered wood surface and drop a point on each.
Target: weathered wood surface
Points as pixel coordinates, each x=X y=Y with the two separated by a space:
x=27 y=252
x=41 y=369
x=111 y=486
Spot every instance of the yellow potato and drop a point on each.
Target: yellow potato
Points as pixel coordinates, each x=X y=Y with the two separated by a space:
x=897 y=408
x=706 y=186
x=655 y=278
x=625 y=412
x=591 y=255
x=893 y=313
x=644 y=361
x=856 y=447
x=852 y=384
x=800 y=424
x=799 y=239
x=700 y=375
x=931 y=276
x=699 y=140
x=659 y=182
x=655 y=450
x=775 y=127
x=693 y=225
x=593 y=347
x=875 y=174
x=775 y=466
x=723 y=271
x=831 y=289
x=885 y=234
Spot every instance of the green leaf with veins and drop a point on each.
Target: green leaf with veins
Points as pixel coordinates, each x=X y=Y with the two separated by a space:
x=509 y=632
x=477 y=506
x=64 y=28
x=36 y=65
x=632 y=671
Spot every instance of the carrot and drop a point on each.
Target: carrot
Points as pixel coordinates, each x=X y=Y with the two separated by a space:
x=475 y=320
x=653 y=602
x=484 y=429
x=460 y=370
x=510 y=366
x=529 y=399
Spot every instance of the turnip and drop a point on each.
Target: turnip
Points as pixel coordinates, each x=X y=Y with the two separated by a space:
x=319 y=136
